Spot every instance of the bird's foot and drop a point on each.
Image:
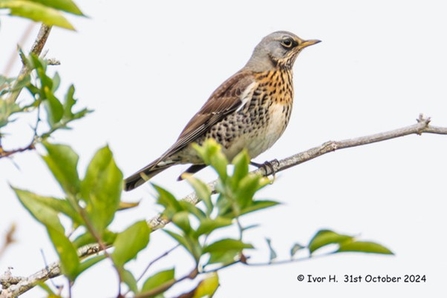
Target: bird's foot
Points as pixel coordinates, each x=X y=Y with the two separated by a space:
x=268 y=167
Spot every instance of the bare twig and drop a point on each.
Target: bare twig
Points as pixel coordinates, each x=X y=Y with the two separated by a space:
x=7 y=153
x=422 y=126
x=13 y=57
x=9 y=239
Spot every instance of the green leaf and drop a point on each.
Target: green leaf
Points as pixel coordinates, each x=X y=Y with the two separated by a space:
x=259 y=205
x=208 y=286
x=191 y=244
x=45 y=214
x=246 y=189
x=192 y=209
x=165 y=277
x=68 y=115
x=61 y=206
x=130 y=280
x=208 y=225
x=67 y=253
x=211 y=154
x=226 y=245
x=22 y=82
x=7 y=108
x=202 y=191
x=101 y=189
x=180 y=239
x=64 y=5
x=167 y=200
x=181 y=220
x=326 y=237
x=36 y=12
x=39 y=210
x=90 y=262
x=273 y=254
x=130 y=242
x=219 y=163
x=224 y=204
x=48 y=290
x=69 y=103
x=240 y=163
x=54 y=107
x=222 y=257
x=365 y=247
x=63 y=162
x=86 y=238
x=40 y=66
x=56 y=82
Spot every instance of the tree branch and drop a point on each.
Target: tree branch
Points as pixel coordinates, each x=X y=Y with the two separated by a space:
x=422 y=126
x=17 y=286
x=36 y=49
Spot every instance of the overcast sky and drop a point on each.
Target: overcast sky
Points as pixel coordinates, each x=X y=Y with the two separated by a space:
x=146 y=68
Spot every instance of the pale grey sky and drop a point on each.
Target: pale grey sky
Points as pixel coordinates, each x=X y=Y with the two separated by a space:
x=146 y=68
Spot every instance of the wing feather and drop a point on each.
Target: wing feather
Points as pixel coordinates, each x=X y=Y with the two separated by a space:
x=223 y=101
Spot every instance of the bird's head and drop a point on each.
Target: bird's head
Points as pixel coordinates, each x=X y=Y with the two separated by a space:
x=278 y=49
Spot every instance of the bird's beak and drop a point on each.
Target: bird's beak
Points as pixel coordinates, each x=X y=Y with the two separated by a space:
x=307 y=43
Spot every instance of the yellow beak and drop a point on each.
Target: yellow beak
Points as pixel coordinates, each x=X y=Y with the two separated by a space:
x=307 y=43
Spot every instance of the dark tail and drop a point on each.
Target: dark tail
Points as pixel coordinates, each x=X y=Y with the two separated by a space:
x=143 y=175
x=191 y=170
x=146 y=173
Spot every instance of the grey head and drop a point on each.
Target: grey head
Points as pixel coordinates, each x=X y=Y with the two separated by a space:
x=277 y=50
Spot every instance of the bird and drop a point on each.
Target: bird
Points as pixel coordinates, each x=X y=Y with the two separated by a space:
x=250 y=110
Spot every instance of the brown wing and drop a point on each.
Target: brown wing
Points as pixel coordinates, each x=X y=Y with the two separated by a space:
x=223 y=101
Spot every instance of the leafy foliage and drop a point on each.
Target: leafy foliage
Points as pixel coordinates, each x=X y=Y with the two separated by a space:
x=235 y=198
x=90 y=203
x=42 y=88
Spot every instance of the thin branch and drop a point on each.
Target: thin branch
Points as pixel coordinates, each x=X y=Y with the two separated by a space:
x=7 y=153
x=9 y=239
x=16 y=286
x=156 y=260
x=22 y=41
x=290 y=261
x=36 y=49
x=422 y=126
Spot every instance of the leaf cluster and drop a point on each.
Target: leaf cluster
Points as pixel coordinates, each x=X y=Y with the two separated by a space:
x=194 y=227
x=42 y=88
x=90 y=204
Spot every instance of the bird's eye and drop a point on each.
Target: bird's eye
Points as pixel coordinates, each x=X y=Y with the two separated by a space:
x=288 y=43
